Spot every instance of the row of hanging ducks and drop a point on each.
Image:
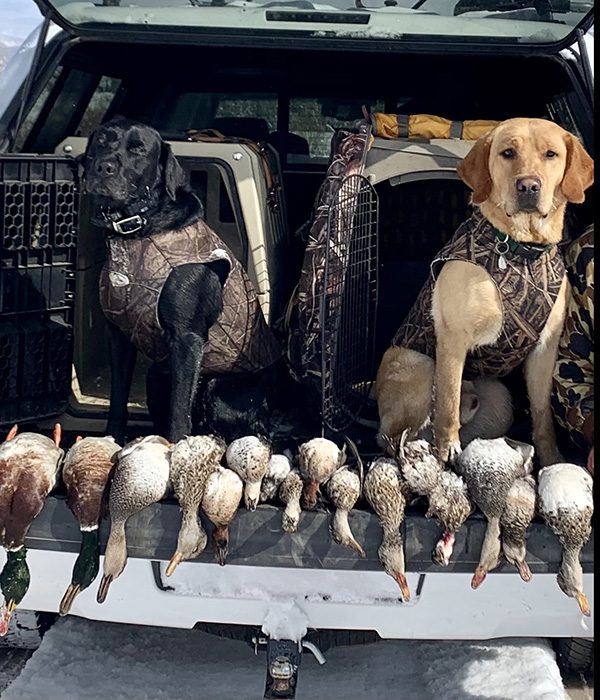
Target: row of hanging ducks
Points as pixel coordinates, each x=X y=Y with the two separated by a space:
x=493 y=475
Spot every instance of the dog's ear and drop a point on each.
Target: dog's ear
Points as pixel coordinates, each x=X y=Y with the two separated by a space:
x=173 y=172
x=579 y=171
x=474 y=169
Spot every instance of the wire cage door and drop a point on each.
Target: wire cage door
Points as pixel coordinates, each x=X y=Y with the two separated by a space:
x=349 y=302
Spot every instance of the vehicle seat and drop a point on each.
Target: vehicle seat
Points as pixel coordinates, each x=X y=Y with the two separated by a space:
x=251 y=128
x=285 y=142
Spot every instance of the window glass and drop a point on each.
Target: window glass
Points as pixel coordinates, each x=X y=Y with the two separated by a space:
x=101 y=100
x=316 y=119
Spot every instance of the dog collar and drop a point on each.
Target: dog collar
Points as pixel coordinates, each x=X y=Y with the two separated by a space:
x=129 y=225
x=505 y=245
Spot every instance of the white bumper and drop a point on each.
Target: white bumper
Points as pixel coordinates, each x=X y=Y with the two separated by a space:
x=443 y=605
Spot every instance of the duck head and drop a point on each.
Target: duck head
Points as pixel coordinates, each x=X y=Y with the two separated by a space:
x=85 y=569
x=391 y=555
x=191 y=542
x=220 y=539
x=14 y=583
x=570 y=580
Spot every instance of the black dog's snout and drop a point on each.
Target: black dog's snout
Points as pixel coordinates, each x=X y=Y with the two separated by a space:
x=528 y=192
x=105 y=168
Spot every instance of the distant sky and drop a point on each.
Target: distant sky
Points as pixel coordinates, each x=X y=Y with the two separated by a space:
x=18 y=17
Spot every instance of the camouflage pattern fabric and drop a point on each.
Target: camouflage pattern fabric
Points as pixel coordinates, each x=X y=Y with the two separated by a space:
x=349 y=148
x=573 y=382
x=527 y=287
x=132 y=280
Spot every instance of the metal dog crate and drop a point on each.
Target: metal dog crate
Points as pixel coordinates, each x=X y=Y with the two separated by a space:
x=364 y=270
x=38 y=229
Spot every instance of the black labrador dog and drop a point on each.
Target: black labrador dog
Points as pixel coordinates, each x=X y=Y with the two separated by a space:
x=171 y=289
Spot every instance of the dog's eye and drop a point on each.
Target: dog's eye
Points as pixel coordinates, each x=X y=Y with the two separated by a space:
x=508 y=153
x=137 y=148
x=551 y=154
x=101 y=140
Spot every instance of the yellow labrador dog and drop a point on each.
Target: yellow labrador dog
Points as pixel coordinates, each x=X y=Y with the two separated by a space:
x=497 y=292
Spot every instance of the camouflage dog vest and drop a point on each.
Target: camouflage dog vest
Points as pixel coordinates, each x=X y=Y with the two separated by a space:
x=132 y=280
x=528 y=279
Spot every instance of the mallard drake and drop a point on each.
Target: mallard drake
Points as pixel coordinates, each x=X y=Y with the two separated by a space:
x=514 y=521
x=343 y=490
x=249 y=458
x=29 y=465
x=566 y=503
x=86 y=471
x=141 y=478
x=220 y=502
x=279 y=467
x=449 y=503
x=383 y=491
x=290 y=493
x=318 y=459
x=490 y=468
x=193 y=460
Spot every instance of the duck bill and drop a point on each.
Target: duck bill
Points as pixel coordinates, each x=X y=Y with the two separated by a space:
x=221 y=552
x=57 y=434
x=176 y=560
x=12 y=433
x=67 y=601
x=403 y=583
x=524 y=571
x=443 y=549
x=357 y=547
x=583 y=603
x=103 y=588
x=478 y=577
x=7 y=611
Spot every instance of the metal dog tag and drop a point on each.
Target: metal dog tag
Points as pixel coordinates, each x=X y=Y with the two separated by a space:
x=118 y=279
x=501 y=249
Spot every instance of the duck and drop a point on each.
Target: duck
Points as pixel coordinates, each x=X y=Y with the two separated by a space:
x=518 y=513
x=318 y=459
x=86 y=472
x=490 y=467
x=290 y=493
x=449 y=503
x=29 y=467
x=421 y=469
x=343 y=490
x=383 y=491
x=566 y=504
x=249 y=457
x=280 y=465
x=220 y=502
x=193 y=460
x=141 y=478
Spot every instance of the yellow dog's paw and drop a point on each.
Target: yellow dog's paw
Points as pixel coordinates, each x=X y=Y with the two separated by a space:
x=448 y=450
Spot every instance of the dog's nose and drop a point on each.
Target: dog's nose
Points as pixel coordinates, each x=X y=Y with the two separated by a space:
x=528 y=192
x=105 y=168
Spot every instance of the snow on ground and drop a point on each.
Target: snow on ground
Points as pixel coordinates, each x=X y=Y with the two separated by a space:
x=83 y=660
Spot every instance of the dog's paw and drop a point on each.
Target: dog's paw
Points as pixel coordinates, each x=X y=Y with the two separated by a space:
x=448 y=450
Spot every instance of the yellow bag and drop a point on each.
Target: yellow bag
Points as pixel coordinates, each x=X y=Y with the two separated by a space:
x=428 y=126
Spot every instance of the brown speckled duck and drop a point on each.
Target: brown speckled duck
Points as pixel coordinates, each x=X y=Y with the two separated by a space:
x=249 y=458
x=449 y=503
x=193 y=460
x=566 y=503
x=29 y=465
x=383 y=491
x=141 y=478
x=318 y=459
x=220 y=502
x=290 y=493
x=514 y=521
x=343 y=490
x=86 y=471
